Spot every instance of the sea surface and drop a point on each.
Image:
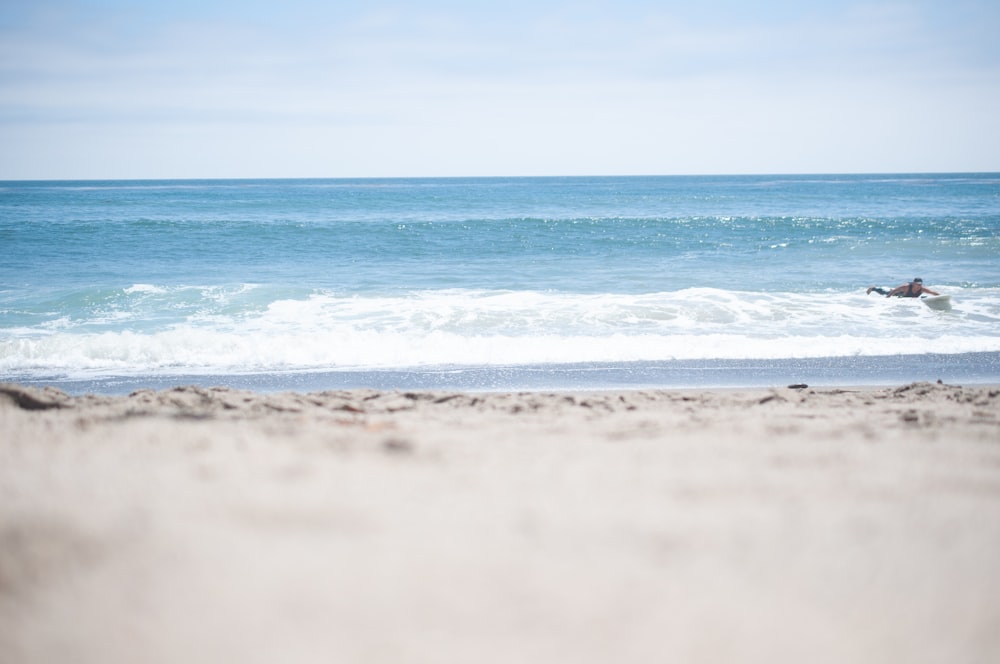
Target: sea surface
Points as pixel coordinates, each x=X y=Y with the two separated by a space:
x=498 y=283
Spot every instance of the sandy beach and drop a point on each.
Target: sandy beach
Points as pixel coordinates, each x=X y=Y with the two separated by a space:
x=769 y=525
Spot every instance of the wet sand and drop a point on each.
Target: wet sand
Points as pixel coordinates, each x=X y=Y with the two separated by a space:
x=216 y=525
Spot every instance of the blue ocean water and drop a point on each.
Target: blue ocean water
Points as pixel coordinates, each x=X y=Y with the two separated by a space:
x=498 y=283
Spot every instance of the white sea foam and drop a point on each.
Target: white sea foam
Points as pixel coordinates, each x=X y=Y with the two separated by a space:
x=144 y=288
x=326 y=331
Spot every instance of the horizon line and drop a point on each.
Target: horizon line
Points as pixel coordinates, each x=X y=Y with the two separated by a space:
x=493 y=177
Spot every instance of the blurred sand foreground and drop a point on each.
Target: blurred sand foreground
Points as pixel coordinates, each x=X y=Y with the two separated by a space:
x=212 y=525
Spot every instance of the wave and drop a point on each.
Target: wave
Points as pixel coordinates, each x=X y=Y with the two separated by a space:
x=247 y=329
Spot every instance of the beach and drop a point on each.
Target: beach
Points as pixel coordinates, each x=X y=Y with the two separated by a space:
x=799 y=523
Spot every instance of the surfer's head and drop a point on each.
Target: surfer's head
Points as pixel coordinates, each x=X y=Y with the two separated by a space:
x=918 y=280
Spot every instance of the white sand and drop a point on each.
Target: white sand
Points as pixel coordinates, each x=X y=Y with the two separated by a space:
x=211 y=526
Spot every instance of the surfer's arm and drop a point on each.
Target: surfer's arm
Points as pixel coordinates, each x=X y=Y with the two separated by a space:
x=928 y=291
x=896 y=291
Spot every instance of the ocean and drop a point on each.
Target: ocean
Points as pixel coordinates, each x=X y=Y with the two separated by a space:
x=498 y=283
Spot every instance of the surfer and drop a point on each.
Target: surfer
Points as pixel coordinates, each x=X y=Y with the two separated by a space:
x=913 y=289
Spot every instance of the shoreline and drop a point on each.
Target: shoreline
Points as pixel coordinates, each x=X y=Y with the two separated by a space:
x=979 y=368
x=203 y=524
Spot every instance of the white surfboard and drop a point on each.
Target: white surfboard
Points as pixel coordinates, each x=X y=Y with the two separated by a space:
x=938 y=302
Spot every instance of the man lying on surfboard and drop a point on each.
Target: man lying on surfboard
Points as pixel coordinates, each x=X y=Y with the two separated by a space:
x=913 y=289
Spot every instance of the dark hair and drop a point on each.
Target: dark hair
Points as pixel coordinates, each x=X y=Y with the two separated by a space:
x=918 y=280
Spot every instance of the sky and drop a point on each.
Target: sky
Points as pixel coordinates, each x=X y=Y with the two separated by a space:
x=109 y=89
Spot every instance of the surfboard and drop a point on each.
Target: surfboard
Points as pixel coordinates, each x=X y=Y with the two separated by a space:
x=938 y=302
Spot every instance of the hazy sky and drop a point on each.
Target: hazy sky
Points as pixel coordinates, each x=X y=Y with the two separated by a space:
x=334 y=88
